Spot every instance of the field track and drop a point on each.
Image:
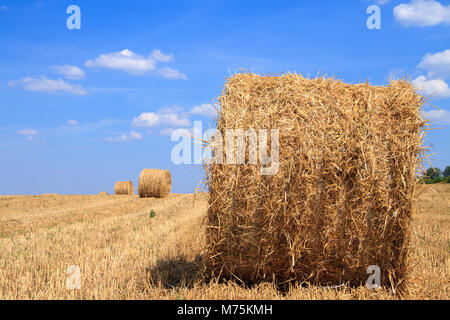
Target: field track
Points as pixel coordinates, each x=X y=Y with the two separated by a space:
x=125 y=252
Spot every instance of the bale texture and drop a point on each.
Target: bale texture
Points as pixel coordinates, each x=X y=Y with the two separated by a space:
x=343 y=197
x=124 y=188
x=155 y=183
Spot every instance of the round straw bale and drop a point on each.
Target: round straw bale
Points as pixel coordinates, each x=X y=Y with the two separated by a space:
x=155 y=183
x=103 y=193
x=341 y=196
x=124 y=187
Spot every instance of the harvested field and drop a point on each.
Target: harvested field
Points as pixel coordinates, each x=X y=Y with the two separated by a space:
x=125 y=253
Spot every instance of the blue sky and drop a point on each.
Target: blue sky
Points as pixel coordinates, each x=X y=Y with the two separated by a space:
x=84 y=108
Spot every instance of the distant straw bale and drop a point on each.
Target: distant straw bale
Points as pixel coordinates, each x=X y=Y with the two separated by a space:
x=103 y=193
x=344 y=193
x=124 y=188
x=155 y=183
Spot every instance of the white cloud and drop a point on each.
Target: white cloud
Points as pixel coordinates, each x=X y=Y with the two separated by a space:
x=73 y=122
x=438 y=116
x=437 y=64
x=146 y=119
x=44 y=84
x=162 y=117
x=128 y=61
x=135 y=135
x=28 y=132
x=86 y=127
x=206 y=109
x=167 y=119
x=380 y=2
x=31 y=135
x=167 y=131
x=70 y=72
x=35 y=139
x=126 y=137
x=435 y=87
x=175 y=120
x=171 y=74
x=157 y=55
x=422 y=13
x=125 y=60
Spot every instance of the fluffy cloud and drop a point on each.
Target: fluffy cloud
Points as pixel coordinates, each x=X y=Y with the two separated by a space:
x=157 y=55
x=171 y=117
x=126 y=137
x=128 y=61
x=70 y=72
x=28 y=132
x=125 y=60
x=73 y=122
x=31 y=135
x=422 y=13
x=44 y=84
x=171 y=74
x=435 y=87
x=174 y=119
x=437 y=64
x=438 y=116
x=146 y=119
x=206 y=109
x=151 y=119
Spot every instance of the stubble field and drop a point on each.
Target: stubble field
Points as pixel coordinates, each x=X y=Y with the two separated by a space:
x=131 y=248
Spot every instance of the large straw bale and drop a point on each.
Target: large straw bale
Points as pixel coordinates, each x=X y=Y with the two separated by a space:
x=343 y=197
x=124 y=188
x=155 y=183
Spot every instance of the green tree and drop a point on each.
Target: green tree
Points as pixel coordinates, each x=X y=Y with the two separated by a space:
x=447 y=171
x=434 y=173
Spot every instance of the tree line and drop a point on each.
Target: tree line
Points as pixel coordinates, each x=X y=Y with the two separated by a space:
x=436 y=175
